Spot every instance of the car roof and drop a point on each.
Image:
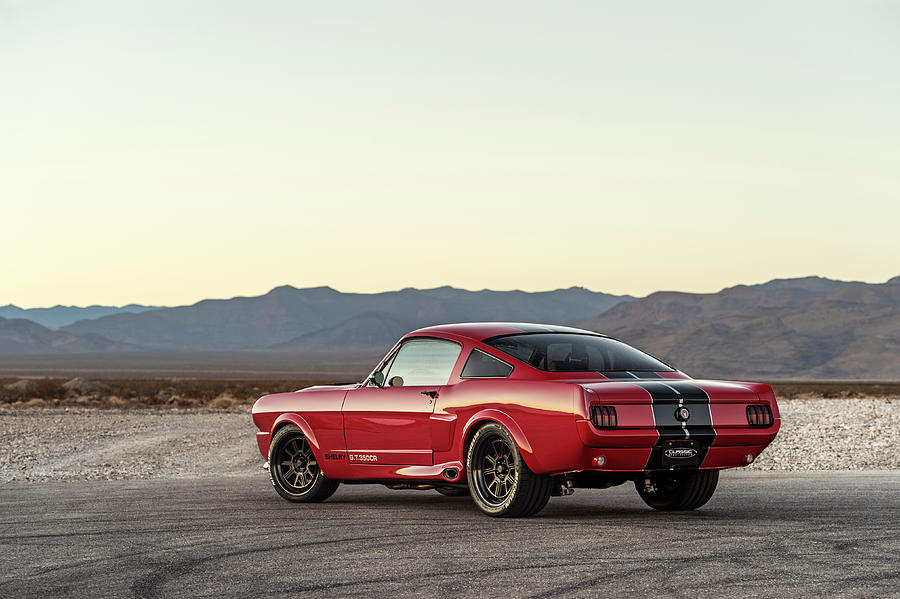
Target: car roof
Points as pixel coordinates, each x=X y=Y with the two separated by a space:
x=480 y=331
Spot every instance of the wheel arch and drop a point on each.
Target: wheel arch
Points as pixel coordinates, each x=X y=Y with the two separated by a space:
x=306 y=429
x=483 y=417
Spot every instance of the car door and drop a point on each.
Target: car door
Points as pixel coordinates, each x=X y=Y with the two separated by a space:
x=389 y=424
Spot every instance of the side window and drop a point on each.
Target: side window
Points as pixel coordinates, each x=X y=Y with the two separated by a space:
x=423 y=362
x=481 y=365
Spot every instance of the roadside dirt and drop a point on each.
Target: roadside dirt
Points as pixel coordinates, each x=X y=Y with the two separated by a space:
x=84 y=444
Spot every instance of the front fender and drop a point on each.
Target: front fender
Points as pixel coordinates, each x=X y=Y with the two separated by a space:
x=500 y=417
x=306 y=429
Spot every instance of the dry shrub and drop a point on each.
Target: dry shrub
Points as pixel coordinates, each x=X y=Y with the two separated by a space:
x=223 y=402
x=25 y=389
x=187 y=402
x=48 y=389
x=144 y=393
x=834 y=390
x=231 y=394
x=80 y=386
x=116 y=402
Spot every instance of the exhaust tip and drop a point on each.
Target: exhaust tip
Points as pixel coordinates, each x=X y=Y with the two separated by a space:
x=450 y=473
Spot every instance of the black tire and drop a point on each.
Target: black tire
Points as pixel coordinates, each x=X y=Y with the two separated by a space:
x=678 y=490
x=452 y=491
x=293 y=468
x=500 y=482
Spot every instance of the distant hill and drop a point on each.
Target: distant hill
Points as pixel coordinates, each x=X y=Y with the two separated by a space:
x=60 y=316
x=291 y=319
x=23 y=337
x=806 y=328
x=787 y=328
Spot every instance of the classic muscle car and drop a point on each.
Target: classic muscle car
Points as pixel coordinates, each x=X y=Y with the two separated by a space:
x=514 y=414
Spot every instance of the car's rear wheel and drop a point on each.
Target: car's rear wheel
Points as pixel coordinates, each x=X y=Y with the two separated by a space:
x=499 y=480
x=294 y=470
x=677 y=490
x=451 y=491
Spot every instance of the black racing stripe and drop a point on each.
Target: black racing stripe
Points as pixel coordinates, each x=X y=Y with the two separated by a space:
x=659 y=391
x=647 y=374
x=689 y=391
x=630 y=374
x=666 y=399
x=617 y=374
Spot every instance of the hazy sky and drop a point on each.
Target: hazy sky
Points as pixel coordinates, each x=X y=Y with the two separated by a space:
x=164 y=152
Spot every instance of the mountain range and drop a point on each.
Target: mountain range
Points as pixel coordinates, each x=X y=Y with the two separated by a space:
x=810 y=328
x=60 y=316
x=320 y=318
x=22 y=337
x=787 y=328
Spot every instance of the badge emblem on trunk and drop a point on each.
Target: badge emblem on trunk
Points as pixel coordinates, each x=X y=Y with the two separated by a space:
x=682 y=414
x=680 y=453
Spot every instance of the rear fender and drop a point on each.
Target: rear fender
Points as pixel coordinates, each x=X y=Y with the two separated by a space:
x=493 y=415
x=767 y=396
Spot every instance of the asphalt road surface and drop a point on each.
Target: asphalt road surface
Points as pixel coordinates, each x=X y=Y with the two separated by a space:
x=762 y=534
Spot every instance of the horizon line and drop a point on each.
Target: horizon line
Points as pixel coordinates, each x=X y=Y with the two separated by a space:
x=410 y=288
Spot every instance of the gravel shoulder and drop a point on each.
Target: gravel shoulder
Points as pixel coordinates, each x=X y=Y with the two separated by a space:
x=86 y=444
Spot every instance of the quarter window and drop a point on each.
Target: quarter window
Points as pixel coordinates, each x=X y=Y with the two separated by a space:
x=481 y=365
x=421 y=362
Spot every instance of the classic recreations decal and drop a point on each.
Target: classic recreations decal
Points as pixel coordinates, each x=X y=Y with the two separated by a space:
x=680 y=453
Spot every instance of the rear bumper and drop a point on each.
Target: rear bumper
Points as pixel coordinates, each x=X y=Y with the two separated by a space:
x=628 y=450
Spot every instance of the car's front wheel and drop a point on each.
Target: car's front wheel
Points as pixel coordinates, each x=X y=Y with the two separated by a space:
x=294 y=470
x=499 y=480
x=677 y=490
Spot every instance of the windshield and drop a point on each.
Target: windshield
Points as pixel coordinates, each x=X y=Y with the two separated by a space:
x=573 y=352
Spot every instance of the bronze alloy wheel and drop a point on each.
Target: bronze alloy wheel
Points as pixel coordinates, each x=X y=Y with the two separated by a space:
x=296 y=465
x=495 y=470
x=294 y=469
x=500 y=481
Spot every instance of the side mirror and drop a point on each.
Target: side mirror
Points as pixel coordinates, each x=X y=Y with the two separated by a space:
x=378 y=378
x=396 y=381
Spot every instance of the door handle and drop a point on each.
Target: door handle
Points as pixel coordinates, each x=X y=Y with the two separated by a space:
x=431 y=394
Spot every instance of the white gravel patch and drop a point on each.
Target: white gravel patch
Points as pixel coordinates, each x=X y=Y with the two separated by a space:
x=835 y=434
x=80 y=444
x=86 y=444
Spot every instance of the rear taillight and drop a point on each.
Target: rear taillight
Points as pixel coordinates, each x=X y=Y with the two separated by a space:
x=604 y=416
x=759 y=415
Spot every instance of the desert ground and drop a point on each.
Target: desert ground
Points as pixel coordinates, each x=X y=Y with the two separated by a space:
x=155 y=489
x=82 y=429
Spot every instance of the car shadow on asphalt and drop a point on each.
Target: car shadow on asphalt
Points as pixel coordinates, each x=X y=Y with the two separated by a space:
x=416 y=504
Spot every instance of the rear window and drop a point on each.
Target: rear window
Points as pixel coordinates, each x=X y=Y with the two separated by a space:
x=572 y=352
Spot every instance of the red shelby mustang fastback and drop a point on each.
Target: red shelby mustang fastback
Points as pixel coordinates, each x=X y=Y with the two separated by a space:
x=515 y=413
